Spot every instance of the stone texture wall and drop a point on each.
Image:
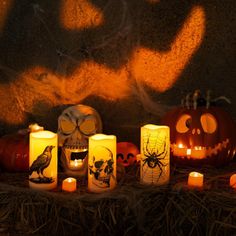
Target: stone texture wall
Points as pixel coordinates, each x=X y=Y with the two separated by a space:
x=131 y=60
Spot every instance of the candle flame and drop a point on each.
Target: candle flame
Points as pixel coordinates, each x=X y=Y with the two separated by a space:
x=188 y=152
x=195 y=174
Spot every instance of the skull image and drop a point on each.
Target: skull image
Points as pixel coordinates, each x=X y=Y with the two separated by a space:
x=75 y=125
x=102 y=167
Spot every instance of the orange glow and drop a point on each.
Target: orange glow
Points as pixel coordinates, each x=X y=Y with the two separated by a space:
x=232 y=181
x=5 y=6
x=158 y=70
x=40 y=84
x=79 y=14
x=103 y=82
x=161 y=70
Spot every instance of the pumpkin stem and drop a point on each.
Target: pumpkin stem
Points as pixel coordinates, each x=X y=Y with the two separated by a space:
x=196 y=95
x=196 y=99
x=208 y=98
x=222 y=98
x=187 y=102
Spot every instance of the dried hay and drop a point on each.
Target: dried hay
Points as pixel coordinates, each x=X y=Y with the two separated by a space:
x=131 y=209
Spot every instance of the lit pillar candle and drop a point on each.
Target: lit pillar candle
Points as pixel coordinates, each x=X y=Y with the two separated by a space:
x=102 y=163
x=43 y=160
x=195 y=179
x=69 y=184
x=155 y=154
x=232 y=181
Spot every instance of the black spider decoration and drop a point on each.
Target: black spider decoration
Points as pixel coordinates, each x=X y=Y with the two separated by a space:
x=154 y=159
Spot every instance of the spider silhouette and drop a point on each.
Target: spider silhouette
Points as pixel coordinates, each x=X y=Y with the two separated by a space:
x=154 y=158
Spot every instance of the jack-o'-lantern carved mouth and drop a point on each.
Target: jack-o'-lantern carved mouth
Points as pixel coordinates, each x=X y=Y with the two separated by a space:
x=198 y=152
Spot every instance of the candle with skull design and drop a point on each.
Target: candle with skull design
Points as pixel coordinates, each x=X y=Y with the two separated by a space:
x=101 y=163
x=43 y=160
x=155 y=154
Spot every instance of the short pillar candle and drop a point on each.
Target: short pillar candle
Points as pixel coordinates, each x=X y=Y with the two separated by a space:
x=155 y=154
x=69 y=184
x=195 y=179
x=101 y=163
x=43 y=160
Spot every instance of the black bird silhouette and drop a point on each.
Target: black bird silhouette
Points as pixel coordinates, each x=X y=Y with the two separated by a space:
x=42 y=161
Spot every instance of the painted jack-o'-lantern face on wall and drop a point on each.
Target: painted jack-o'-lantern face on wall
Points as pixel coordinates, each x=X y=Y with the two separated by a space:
x=201 y=136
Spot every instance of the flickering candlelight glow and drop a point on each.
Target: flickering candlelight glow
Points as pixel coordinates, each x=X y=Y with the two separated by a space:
x=75 y=164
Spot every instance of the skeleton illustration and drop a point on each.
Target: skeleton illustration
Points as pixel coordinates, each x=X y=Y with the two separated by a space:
x=102 y=167
x=75 y=125
x=154 y=157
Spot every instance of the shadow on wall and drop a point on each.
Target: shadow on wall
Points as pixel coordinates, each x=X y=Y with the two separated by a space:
x=112 y=55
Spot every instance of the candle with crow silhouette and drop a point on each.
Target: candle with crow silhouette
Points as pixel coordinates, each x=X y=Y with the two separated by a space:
x=155 y=154
x=102 y=163
x=43 y=160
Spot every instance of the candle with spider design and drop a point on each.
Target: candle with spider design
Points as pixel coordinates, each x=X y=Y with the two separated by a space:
x=155 y=154
x=102 y=163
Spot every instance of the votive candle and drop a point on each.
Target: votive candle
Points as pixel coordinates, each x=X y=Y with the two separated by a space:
x=69 y=184
x=195 y=179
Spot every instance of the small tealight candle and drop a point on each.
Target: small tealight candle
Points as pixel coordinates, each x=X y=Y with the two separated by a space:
x=232 y=181
x=69 y=184
x=195 y=179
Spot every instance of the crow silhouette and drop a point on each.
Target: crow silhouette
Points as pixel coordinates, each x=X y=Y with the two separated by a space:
x=42 y=161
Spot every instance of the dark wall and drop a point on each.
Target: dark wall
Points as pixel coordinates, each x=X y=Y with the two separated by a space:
x=132 y=60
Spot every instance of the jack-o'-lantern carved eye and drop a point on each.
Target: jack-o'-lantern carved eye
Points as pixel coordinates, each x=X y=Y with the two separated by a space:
x=209 y=123
x=184 y=123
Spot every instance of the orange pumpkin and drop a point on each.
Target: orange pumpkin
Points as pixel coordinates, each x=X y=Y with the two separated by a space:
x=14 y=152
x=201 y=135
x=126 y=153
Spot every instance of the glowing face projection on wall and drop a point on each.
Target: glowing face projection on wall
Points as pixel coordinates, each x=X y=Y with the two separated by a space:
x=143 y=66
x=102 y=163
x=155 y=154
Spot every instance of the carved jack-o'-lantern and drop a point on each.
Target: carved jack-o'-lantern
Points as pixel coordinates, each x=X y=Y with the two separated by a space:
x=75 y=125
x=201 y=134
x=126 y=153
